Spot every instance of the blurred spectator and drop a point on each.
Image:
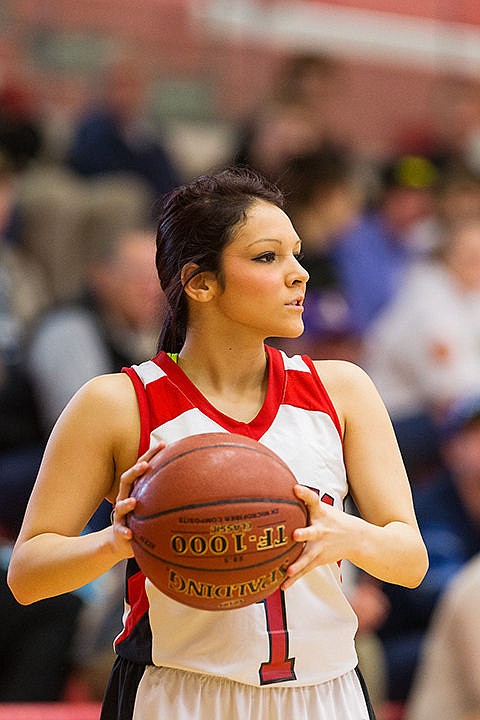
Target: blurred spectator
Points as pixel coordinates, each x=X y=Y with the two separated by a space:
x=295 y=118
x=21 y=140
x=281 y=130
x=459 y=119
x=21 y=135
x=447 y=682
x=323 y=197
x=113 y=323
x=23 y=295
x=458 y=196
x=424 y=349
x=52 y=198
x=115 y=136
x=36 y=640
x=448 y=513
x=315 y=79
x=373 y=255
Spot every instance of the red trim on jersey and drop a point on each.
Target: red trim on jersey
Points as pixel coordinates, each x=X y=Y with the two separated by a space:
x=139 y=605
x=144 y=442
x=331 y=408
x=260 y=424
x=166 y=399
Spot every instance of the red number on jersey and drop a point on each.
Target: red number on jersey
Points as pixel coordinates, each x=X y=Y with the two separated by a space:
x=279 y=667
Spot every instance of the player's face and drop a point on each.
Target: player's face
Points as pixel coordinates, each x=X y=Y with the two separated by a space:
x=263 y=281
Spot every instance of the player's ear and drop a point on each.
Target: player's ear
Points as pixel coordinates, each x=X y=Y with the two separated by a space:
x=199 y=286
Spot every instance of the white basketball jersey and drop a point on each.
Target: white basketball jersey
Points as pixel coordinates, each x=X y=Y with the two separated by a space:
x=303 y=636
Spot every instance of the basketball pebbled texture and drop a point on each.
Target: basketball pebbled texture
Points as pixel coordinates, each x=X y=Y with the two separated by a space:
x=212 y=526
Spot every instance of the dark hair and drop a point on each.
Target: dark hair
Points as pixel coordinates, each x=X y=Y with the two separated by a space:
x=321 y=170
x=195 y=223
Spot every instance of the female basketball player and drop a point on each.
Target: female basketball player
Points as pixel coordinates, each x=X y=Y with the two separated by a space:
x=228 y=260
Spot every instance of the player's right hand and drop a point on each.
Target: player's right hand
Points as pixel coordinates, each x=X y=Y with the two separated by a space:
x=124 y=503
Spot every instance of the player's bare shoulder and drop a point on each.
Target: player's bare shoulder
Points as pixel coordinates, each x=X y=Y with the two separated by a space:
x=111 y=395
x=341 y=372
x=347 y=384
x=106 y=406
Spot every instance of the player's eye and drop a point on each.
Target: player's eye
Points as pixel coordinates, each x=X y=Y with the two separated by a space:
x=266 y=257
x=299 y=256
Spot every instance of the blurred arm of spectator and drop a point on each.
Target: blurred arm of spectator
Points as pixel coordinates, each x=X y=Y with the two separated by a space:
x=113 y=324
x=115 y=135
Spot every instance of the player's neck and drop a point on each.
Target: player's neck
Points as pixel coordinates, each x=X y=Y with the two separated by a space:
x=224 y=367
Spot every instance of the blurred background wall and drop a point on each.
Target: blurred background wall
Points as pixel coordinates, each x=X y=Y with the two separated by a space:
x=402 y=64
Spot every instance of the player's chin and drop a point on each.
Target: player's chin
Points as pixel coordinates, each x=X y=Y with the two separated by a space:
x=292 y=331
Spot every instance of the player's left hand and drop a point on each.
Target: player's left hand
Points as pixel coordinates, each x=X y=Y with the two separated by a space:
x=325 y=538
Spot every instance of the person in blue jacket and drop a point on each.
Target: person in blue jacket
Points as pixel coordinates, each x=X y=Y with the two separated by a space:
x=115 y=137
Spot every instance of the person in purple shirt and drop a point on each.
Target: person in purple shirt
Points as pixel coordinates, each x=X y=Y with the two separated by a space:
x=373 y=254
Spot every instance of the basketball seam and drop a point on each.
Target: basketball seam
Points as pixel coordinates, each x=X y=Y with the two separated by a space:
x=265 y=453
x=231 y=501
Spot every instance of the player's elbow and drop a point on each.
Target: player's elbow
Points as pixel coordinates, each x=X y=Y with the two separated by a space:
x=20 y=595
x=17 y=581
x=417 y=569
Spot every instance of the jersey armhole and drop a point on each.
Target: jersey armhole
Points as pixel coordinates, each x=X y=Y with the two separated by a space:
x=333 y=413
x=143 y=409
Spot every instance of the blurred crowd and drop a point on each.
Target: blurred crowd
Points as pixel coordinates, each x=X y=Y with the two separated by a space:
x=392 y=246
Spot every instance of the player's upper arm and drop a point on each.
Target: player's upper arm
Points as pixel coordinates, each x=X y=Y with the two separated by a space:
x=93 y=441
x=376 y=474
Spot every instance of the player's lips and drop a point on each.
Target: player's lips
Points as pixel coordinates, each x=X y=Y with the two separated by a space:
x=297 y=302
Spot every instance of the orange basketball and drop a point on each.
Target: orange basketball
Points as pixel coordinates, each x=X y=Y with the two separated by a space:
x=213 y=523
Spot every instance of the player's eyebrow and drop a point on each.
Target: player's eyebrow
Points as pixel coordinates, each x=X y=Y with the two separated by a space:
x=260 y=240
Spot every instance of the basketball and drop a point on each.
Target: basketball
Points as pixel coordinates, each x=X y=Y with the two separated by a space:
x=213 y=522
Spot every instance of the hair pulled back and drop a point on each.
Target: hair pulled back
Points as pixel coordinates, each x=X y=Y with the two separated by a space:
x=195 y=223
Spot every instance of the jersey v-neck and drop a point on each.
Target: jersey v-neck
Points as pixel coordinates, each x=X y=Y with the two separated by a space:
x=265 y=416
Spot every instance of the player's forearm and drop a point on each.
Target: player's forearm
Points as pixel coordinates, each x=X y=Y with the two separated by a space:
x=51 y=564
x=394 y=553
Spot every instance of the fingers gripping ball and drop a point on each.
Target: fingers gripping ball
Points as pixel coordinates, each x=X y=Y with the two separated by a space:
x=212 y=527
